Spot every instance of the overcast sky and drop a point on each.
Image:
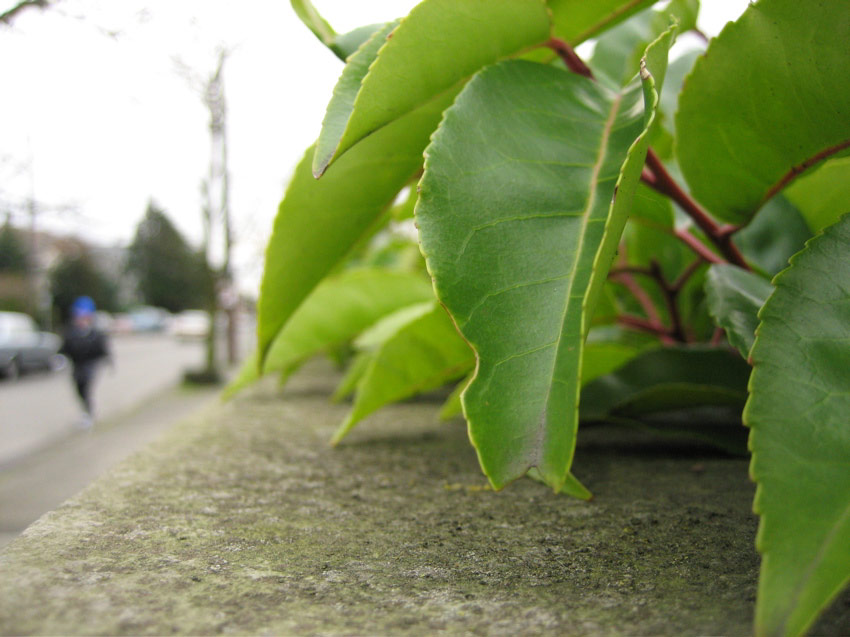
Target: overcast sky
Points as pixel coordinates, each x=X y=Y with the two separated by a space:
x=96 y=117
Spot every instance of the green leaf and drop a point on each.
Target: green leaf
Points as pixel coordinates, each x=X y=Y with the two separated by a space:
x=346 y=44
x=404 y=209
x=345 y=94
x=389 y=325
x=319 y=222
x=823 y=195
x=735 y=297
x=799 y=418
x=342 y=45
x=578 y=20
x=422 y=354
x=526 y=189
x=668 y=379
x=308 y=14
x=602 y=358
x=599 y=358
x=437 y=46
x=340 y=309
x=571 y=485
x=768 y=98
x=773 y=236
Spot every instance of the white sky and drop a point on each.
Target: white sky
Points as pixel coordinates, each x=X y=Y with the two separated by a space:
x=94 y=113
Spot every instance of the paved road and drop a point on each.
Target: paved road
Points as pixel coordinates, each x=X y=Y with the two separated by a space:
x=40 y=409
x=41 y=481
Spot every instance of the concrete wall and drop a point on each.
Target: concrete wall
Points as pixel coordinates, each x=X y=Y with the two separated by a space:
x=244 y=520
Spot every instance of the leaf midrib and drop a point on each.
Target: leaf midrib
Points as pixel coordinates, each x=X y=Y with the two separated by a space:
x=594 y=179
x=798 y=170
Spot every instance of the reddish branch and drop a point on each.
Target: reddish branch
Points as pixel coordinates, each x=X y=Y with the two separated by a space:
x=659 y=179
x=646 y=325
x=670 y=293
x=697 y=246
x=623 y=276
x=571 y=59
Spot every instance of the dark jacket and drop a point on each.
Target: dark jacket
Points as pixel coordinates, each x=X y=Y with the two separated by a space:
x=83 y=346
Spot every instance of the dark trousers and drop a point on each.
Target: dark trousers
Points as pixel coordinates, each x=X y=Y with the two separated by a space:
x=83 y=377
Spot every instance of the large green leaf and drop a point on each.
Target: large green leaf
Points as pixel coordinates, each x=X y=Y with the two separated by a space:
x=769 y=97
x=319 y=222
x=799 y=418
x=577 y=20
x=421 y=352
x=735 y=297
x=823 y=195
x=526 y=189
x=441 y=43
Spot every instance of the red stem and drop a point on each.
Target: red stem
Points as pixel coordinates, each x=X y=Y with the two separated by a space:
x=624 y=277
x=659 y=179
x=683 y=278
x=671 y=296
x=697 y=246
x=570 y=57
x=645 y=325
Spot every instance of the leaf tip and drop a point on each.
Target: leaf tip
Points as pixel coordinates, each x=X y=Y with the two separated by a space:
x=346 y=426
x=318 y=171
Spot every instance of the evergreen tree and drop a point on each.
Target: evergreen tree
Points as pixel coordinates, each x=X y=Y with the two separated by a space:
x=13 y=250
x=169 y=273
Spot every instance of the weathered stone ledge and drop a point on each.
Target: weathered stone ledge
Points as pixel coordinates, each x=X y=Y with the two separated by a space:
x=244 y=520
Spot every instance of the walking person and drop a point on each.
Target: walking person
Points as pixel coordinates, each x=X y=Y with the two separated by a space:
x=86 y=347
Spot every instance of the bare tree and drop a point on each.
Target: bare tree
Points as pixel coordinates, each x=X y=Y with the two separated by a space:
x=10 y=14
x=219 y=184
x=215 y=192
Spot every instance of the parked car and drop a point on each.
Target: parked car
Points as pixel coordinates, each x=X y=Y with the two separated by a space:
x=191 y=324
x=149 y=319
x=103 y=321
x=23 y=347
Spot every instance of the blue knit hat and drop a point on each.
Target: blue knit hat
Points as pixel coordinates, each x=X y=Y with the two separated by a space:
x=82 y=306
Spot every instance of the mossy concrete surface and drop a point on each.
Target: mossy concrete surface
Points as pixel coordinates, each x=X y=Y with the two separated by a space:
x=243 y=520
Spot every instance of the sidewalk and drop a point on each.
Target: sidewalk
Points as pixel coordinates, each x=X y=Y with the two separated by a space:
x=40 y=482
